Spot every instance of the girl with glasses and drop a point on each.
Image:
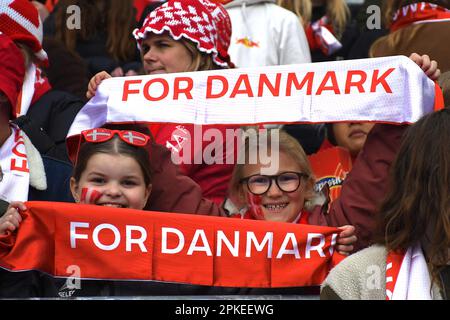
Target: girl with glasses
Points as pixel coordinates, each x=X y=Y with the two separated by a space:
x=287 y=195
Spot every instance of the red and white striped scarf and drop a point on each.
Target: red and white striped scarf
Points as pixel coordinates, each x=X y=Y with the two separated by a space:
x=320 y=35
x=407 y=275
x=422 y=12
x=34 y=86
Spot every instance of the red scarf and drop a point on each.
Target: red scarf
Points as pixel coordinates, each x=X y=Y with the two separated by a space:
x=182 y=248
x=41 y=86
x=421 y=12
x=317 y=40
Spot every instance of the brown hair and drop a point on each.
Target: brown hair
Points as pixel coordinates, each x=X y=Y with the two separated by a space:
x=27 y=53
x=287 y=144
x=116 y=146
x=417 y=206
x=389 y=7
x=117 y=19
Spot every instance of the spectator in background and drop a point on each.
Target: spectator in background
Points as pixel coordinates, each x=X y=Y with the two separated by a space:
x=353 y=135
x=329 y=28
x=416 y=26
x=45 y=115
x=349 y=135
x=24 y=173
x=412 y=249
x=265 y=34
x=104 y=40
x=68 y=71
x=369 y=32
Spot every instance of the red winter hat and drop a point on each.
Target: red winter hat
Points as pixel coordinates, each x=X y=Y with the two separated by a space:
x=20 y=20
x=12 y=70
x=203 y=22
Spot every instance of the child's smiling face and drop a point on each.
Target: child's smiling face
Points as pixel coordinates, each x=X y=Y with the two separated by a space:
x=118 y=178
x=276 y=204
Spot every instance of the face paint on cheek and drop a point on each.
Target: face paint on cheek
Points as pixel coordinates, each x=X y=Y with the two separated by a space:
x=89 y=195
x=255 y=208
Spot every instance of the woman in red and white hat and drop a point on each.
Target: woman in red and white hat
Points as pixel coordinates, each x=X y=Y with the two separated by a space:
x=183 y=36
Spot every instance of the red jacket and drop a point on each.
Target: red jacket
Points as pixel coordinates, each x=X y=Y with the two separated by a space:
x=365 y=185
x=172 y=191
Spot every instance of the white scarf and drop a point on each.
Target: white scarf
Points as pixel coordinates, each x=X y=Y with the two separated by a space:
x=404 y=95
x=413 y=280
x=26 y=95
x=14 y=163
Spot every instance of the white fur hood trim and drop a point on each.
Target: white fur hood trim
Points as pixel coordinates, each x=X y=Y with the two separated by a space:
x=38 y=178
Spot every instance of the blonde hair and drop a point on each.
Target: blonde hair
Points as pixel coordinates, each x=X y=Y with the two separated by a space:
x=301 y=8
x=200 y=61
x=287 y=145
x=338 y=12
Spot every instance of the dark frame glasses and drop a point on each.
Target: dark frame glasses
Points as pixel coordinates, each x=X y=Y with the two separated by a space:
x=288 y=181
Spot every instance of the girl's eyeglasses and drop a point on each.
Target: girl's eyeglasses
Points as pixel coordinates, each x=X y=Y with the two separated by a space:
x=98 y=135
x=288 y=182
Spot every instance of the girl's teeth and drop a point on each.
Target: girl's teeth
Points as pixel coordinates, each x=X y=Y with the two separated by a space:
x=112 y=205
x=276 y=206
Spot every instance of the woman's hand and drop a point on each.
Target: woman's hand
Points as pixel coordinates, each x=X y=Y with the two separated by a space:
x=95 y=82
x=11 y=219
x=430 y=67
x=346 y=239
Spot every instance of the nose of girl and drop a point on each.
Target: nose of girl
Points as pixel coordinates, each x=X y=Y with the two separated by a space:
x=113 y=190
x=274 y=191
x=150 y=55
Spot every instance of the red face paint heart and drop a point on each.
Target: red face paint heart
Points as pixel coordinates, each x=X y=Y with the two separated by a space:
x=255 y=208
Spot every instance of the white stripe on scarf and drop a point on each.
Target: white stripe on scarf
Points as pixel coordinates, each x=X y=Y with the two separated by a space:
x=27 y=90
x=413 y=281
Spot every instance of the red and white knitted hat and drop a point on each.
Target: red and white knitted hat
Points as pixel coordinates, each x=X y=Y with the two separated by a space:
x=203 y=22
x=20 y=20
